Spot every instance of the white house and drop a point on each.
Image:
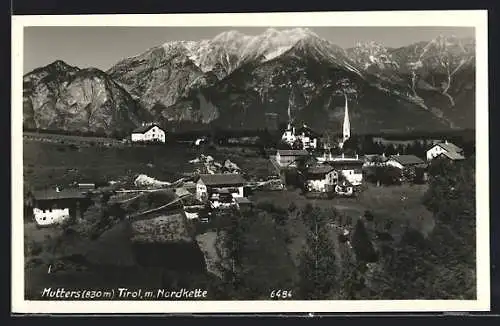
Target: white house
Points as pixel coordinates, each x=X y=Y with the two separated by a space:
x=53 y=206
x=445 y=149
x=321 y=178
x=350 y=168
x=404 y=161
x=148 y=133
x=211 y=186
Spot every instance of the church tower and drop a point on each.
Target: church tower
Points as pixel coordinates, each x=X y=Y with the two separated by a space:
x=346 y=129
x=347 y=125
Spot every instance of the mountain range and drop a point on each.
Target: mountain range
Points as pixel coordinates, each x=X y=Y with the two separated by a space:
x=233 y=80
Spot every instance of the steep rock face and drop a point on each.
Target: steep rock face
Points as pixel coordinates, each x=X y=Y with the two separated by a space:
x=233 y=80
x=253 y=90
x=61 y=97
x=439 y=74
x=158 y=77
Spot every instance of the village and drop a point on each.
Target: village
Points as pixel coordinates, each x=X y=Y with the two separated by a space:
x=161 y=211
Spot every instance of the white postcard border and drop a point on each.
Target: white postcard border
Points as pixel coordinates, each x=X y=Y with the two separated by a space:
x=465 y=18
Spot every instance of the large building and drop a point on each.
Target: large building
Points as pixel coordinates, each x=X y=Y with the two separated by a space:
x=148 y=132
x=304 y=136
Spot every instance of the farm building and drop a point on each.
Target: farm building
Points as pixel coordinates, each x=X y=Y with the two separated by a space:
x=213 y=184
x=405 y=161
x=371 y=160
x=321 y=178
x=349 y=167
x=412 y=168
x=148 y=133
x=52 y=206
x=447 y=150
x=289 y=157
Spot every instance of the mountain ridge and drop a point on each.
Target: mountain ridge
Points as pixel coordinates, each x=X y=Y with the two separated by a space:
x=222 y=80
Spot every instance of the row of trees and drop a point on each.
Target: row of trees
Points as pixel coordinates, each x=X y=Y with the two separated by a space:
x=441 y=265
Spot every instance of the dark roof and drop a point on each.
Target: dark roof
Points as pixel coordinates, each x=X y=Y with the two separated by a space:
x=52 y=194
x=407 y=159
x=143 y=129
x=453 y=156
x=293 y=152
x=450 y=147
x=374 y=157
x=345 y=162
x=320 y=169
x=242 y=200
x=222 y=179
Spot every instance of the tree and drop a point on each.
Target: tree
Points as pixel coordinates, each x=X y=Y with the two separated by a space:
x=318 y=266
x=362 y=244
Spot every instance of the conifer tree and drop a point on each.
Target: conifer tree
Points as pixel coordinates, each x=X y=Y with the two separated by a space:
x=318 y=267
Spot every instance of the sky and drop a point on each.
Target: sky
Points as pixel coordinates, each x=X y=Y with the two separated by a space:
x=102 y=47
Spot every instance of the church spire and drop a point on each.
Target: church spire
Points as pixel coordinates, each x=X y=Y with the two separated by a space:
x=347 y=125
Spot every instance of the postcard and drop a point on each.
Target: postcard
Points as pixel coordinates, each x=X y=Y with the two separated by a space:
x=250 y=163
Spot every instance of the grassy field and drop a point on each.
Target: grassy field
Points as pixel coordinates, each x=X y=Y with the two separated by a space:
x=47 y=164
x=50 y=163
x=399 y=204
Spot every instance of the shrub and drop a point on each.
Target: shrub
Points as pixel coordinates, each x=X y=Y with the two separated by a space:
x=368 y=215
x=33 y=248
x=362 y=244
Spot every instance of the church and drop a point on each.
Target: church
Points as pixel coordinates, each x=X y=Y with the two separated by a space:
x=303 y=137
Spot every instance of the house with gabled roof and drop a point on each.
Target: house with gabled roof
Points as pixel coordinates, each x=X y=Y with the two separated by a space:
x=53 y=206
x=289 y=157
x=148 y=132
x=321 y=178
x=209 y=186
x=445 y=149
x=405 y=161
